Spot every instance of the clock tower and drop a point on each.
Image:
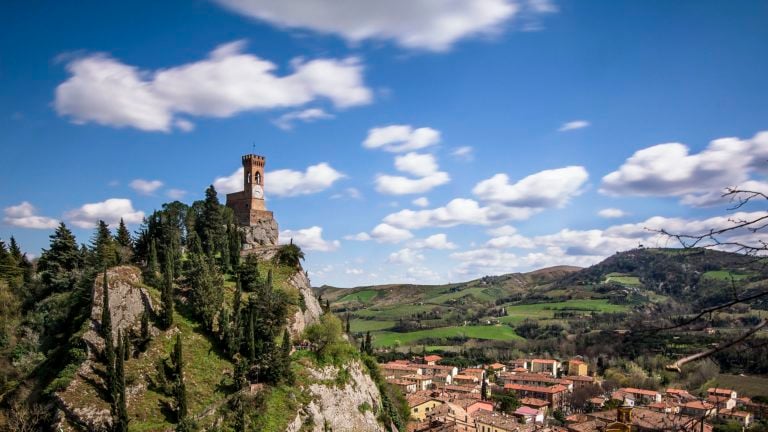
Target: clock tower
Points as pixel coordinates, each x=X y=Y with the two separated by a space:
x=248 y=205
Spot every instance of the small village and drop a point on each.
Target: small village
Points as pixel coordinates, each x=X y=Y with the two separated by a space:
x=444 y=398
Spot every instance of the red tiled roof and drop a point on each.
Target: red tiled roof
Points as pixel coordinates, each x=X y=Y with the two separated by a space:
x=549 y=361
x=639 y=391
x=554 y=389
x=534 y=402
x=719 y=390
x=698 y=405
x=434 y=358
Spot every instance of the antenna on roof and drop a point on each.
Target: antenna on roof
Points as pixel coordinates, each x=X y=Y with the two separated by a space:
x=254 y=147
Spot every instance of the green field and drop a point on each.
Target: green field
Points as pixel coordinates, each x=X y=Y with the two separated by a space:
x=623 y=279
x=394 y=312
x=361 y=296
x=359 y=325
x=518 y=313
x=749 y=385
x=724 y=275
x=386 y=338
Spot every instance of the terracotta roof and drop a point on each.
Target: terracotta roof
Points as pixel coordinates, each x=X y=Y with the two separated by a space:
x=534 y=402
x=549 y=361
x=520 y=369
x=432 y=358
x=587 y=426
x=526 y=411
x=698 y=405
x=576 y=361
x=742 y=414
x=503 y=422
x=415 y=400
x=579 y=378
x=554 y=389
x=646 y=419
x=597 y=400
x=719 y=391
x=498 y=366
x=399 y=366
x=639 y=391
x=417 y=377
x=400 y=382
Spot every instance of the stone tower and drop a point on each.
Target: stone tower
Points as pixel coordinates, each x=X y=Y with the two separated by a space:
x=248 y=204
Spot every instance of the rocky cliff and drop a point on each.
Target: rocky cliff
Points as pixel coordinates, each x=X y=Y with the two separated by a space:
x=350 y=407
x=312 y=310
x=263 y=233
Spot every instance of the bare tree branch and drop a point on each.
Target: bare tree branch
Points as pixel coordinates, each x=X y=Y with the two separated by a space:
x=703 y=354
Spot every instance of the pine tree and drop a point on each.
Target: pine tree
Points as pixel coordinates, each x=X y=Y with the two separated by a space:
x=167 y=295
x=181 y=389
x=120 y=404
x=103 y=249
x=58 y=266
x=124 y=243
x=106 y=332
x=211 y=227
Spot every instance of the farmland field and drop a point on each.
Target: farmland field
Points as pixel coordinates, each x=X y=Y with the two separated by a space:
x=749 y=385
x=501 y=332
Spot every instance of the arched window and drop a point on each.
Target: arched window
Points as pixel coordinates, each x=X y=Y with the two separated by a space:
x=248 y=178
x=258 y=178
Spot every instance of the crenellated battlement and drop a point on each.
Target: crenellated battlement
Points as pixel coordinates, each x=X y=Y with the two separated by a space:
x=254 y=160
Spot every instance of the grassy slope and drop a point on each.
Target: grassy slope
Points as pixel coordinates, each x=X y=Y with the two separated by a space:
x=499 y=332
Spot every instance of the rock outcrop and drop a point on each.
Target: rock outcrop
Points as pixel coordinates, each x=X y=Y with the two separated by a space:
x=350 y=407
x=81 y=403
x=312 y=310
x=263 y=233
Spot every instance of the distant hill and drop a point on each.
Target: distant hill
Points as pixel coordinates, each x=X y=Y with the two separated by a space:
x=494 y=307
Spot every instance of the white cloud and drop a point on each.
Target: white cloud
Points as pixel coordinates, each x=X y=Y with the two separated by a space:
x=416 y=164
x=423 y=166
x=405 y=256
x=415 y=24
x=698 y=178
x=350 y=193
x=146 y=187
x=385 y=233
x=464 y=153
x=421 y=202
x=175 y=194
x=285 y=182
x=24 y=216
x=548 y=188
x=401 y=138
x=572 y=125
x=435 y=241
x=399 y=185
x=110 y=211
x=354 y=271
x=458 y=211
x=507 y=237
x=184 y=125
x=315 y=178
x=105 y=91
x=363 y=236
x=611 y=213
x=285 y=121
x=310 y=239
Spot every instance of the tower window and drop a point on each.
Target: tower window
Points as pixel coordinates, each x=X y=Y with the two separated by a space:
x=248 y=178
x=258 y=178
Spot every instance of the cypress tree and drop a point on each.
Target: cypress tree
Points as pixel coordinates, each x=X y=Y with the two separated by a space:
x=126 y=347
x=145 y=336
x=119 y=406
x=167 y=294
x=181 y=389
x=106 y=332
x=347 y=326
x=368 y=343
x=153 y=265
x=284 y=361
x=235 y=244
x=250 y=334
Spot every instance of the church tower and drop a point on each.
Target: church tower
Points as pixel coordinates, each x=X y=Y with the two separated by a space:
x=248 y=204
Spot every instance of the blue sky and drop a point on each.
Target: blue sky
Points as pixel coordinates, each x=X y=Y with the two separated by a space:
x=412 y=142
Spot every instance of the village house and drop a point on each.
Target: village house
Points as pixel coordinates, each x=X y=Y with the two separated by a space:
x=452 y=414
x=529 y=415
x=555 y=394
x=403 y=385
x=431 y=360
x=679 y=395
x=641 y=396
x=498 y=367
x=439 y=369
x=665 y=407
x=722 y=393
x=462 y=379
x=421 y=405
x=397 y=370
x=580 y=381
x=535 y=403
x=744 y=418
x=545 y=366
x=519 y=364
x=645 y=420
x=577 y=367
x=534 y=379
x=698 y=409
x=423 y=382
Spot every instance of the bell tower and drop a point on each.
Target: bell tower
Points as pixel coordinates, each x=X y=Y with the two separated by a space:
x=253 y=180
x=248 y=205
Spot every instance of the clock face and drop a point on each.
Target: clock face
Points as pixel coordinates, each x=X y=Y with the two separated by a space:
x=258 y=192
